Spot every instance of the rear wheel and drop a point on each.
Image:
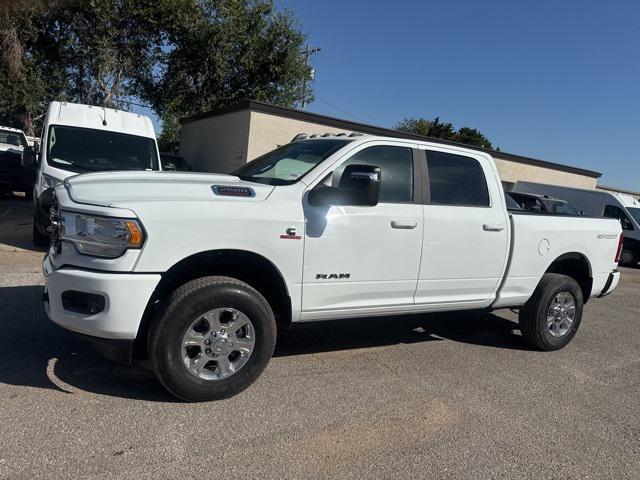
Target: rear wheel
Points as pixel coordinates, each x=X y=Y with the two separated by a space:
x=551 y=317
x=213 y=340
x=628 y=257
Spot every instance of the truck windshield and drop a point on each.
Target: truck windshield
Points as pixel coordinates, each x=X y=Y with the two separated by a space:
x=10 y=137
x=289 y=163
x=635 y=213
x=89 y=150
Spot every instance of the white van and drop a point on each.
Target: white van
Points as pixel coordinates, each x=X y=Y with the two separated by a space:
x=84 y=138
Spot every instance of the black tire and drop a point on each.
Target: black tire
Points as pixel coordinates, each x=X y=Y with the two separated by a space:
x=39 y=239
x=187 y=303
x=533 y=316
x=628 y=257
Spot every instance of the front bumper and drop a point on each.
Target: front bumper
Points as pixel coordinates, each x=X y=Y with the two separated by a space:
x=125 y=299
x=611 y=284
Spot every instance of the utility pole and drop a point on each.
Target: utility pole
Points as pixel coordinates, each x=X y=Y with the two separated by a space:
x=307 y=52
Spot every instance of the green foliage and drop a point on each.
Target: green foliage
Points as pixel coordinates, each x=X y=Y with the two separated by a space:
x=180 y=56
x=221 y=52
x=436 y=129
x=23 y=82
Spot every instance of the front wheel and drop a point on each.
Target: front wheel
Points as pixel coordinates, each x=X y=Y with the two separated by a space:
x=39 y=240
x=552 y=315
x=214 y=339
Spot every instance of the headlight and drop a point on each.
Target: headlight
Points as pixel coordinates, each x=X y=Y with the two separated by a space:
x=100 y=236
x=47 y=181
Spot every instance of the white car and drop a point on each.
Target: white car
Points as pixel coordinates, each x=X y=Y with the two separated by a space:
x=199 y=271
x=80 y=138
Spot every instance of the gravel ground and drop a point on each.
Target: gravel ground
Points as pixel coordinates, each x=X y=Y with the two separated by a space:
x=426 y=396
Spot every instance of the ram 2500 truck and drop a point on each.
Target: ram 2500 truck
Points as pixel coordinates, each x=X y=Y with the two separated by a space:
x=199 y=271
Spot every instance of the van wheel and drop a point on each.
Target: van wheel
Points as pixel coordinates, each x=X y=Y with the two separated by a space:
x=214 y=339
x=628 y=257
x=39 y=240
x=552 y=315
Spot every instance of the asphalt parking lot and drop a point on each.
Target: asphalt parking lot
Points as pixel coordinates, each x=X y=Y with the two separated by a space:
x=426 y=396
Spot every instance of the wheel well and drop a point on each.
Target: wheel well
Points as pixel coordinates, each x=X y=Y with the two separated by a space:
x=248 y=267
x=576 y=266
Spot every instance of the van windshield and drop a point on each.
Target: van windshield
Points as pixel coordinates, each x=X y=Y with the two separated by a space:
x=89 y=150
x=289 y=163
x=635 y=213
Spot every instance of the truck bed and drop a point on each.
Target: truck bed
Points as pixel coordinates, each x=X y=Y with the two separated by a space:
x=536 y=236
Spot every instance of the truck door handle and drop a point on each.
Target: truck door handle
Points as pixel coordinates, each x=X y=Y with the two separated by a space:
x=492 y=228
x=403 y=225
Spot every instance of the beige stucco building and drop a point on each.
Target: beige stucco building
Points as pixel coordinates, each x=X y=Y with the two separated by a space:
x=223 y=140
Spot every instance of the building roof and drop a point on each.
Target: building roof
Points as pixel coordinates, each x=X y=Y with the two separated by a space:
x=381 y=131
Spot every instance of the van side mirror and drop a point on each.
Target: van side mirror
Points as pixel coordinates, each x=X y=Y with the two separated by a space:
x=359 y=186
x=29 y=157
x=626 y=224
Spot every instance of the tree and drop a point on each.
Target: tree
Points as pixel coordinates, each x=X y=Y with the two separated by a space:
x=88 y=52
x=222 y=52
x=110 y=44
x=181 y=56
x=436 y=129
x=26 y=78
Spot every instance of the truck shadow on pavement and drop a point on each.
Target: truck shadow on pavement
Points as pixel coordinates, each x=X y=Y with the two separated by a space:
x=477 y=328
x=36 y=353
x=16 y=222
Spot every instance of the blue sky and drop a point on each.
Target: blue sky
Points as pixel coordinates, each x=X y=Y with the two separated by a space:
x=555 y=80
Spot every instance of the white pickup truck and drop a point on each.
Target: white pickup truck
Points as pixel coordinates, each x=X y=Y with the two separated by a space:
x=199 y=271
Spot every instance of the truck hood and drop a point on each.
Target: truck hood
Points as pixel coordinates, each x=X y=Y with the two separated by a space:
x=117 y=189
x=9 y=147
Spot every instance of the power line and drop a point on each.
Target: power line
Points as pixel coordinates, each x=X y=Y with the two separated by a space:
x=341 y=109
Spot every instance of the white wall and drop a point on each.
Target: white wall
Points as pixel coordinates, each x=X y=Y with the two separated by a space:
x=224 y=142
x=216 y=144
x=511 y=172
x=268 y=131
